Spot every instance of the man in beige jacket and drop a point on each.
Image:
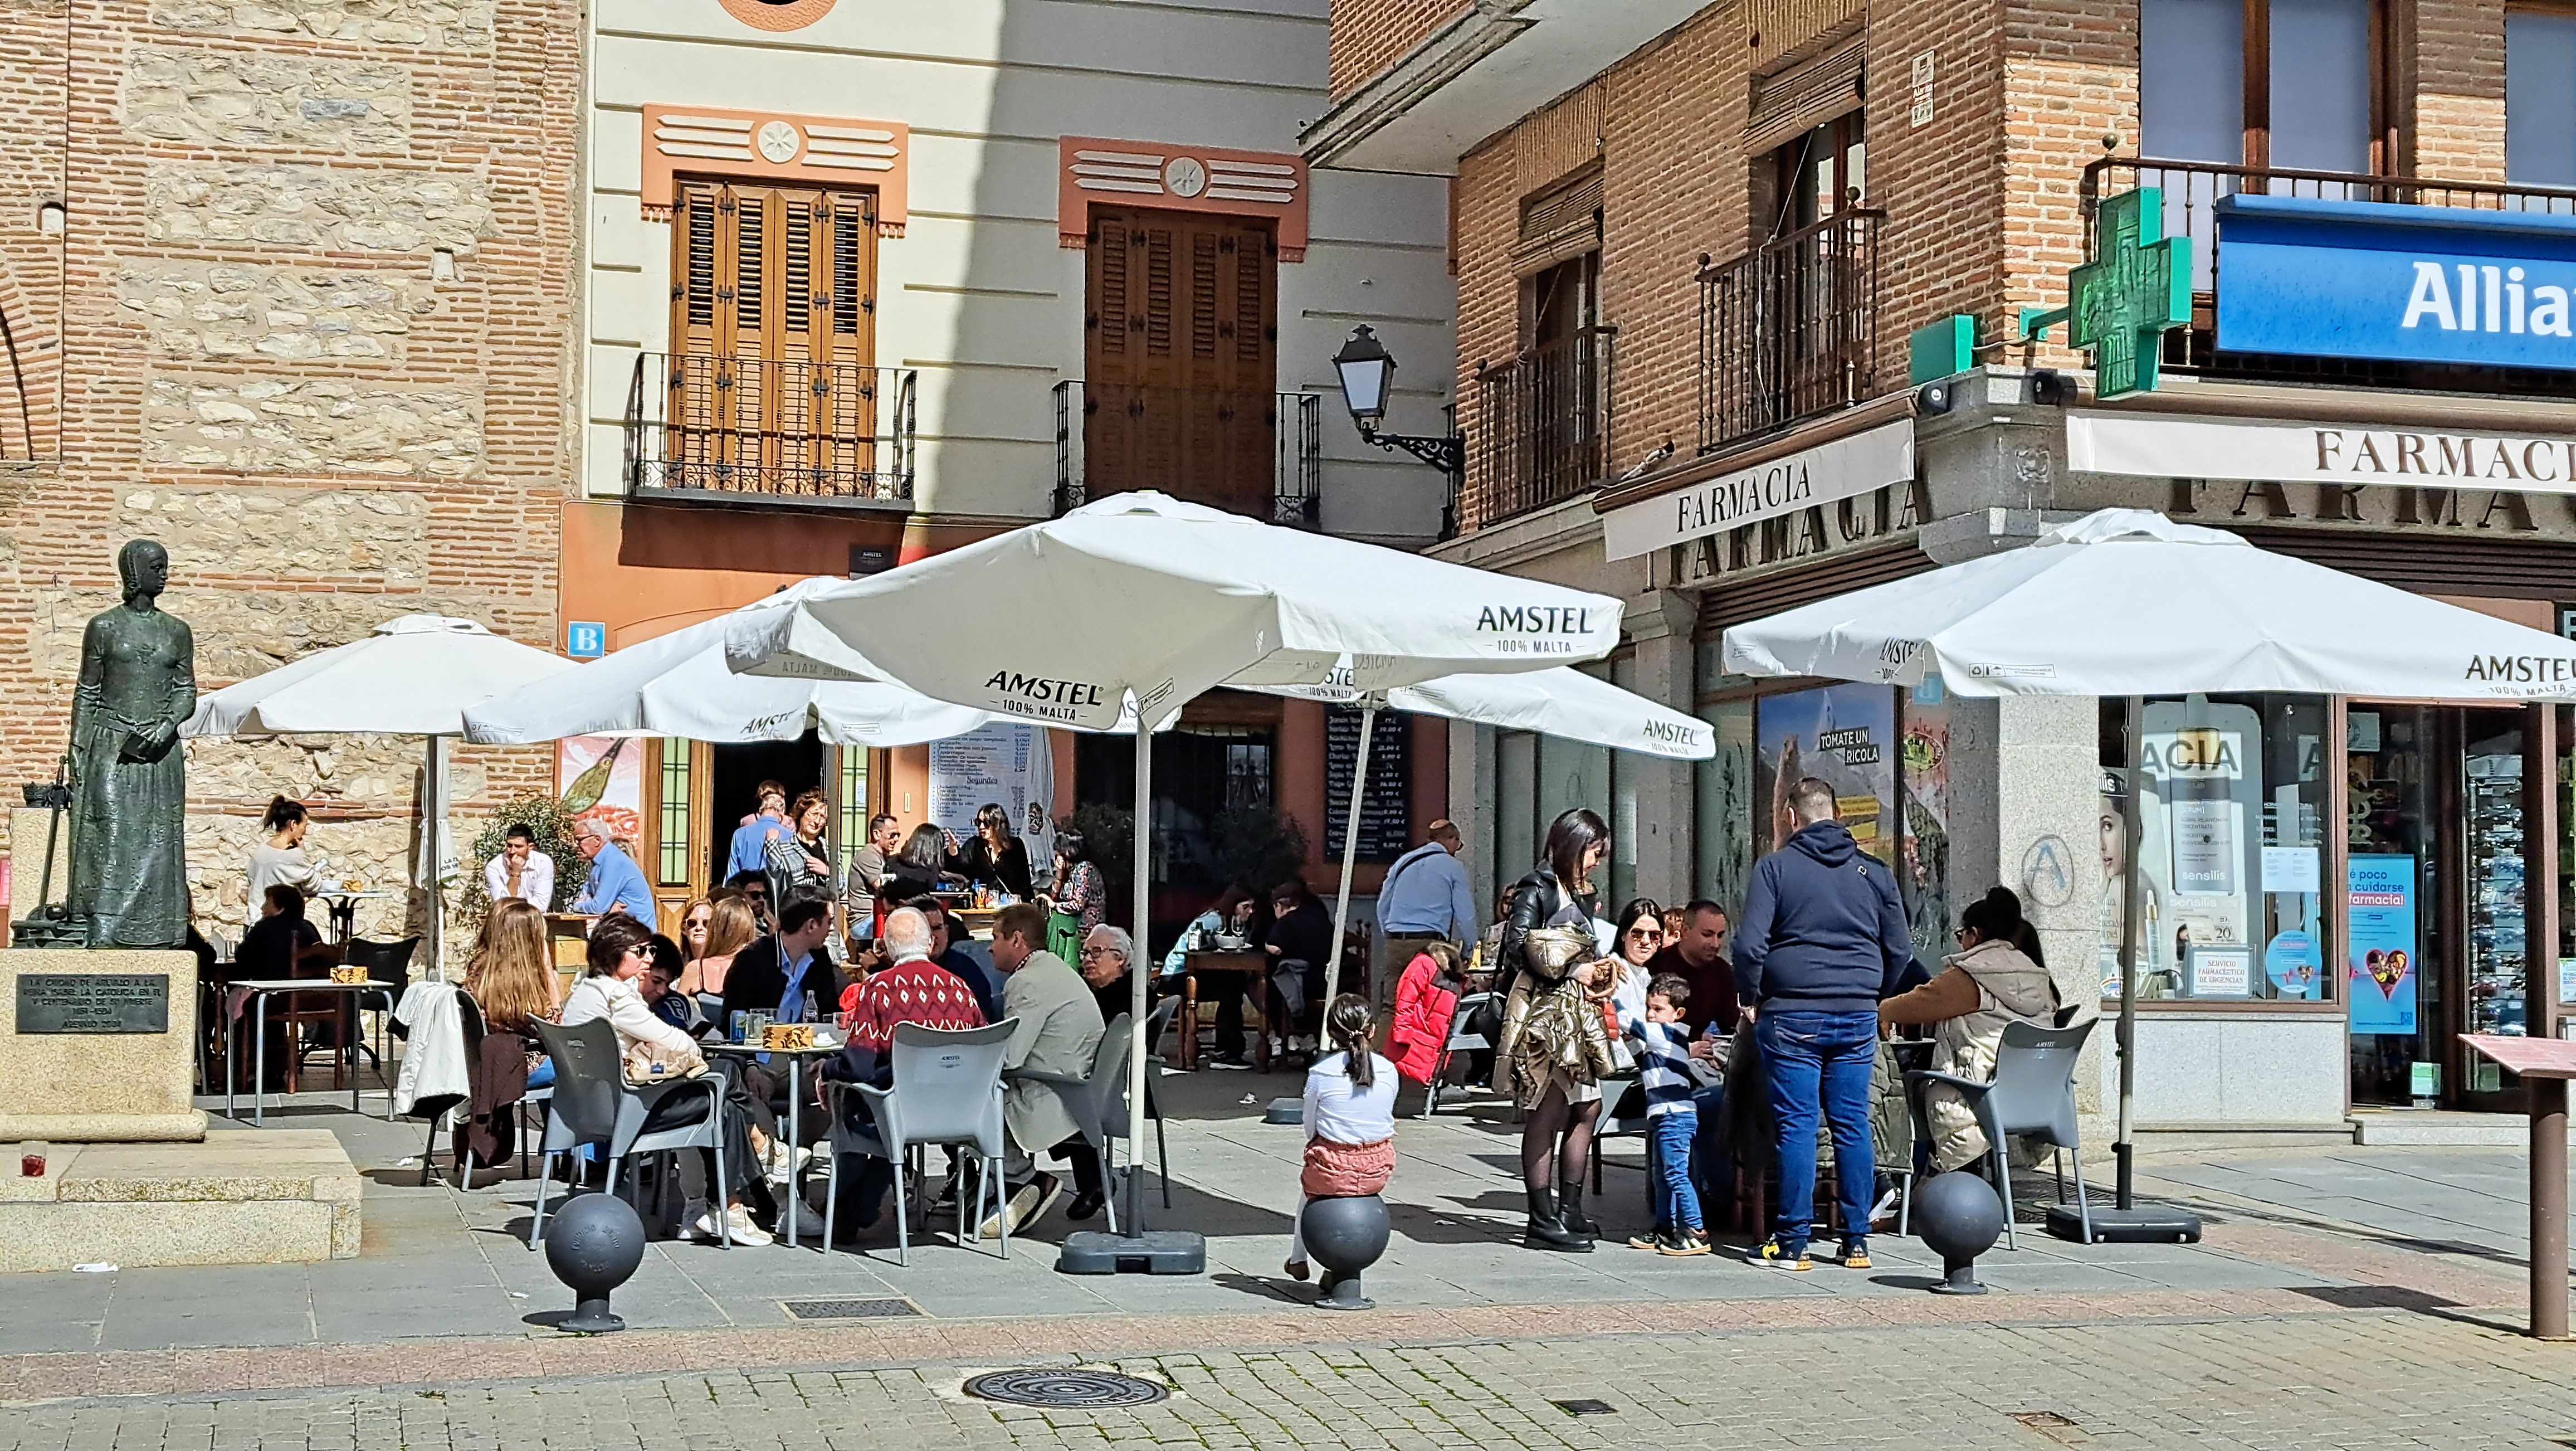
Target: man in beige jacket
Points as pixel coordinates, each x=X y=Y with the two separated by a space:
x=1058 y=1032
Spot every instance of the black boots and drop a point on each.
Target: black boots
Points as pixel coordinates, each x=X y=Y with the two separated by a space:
x=1548 y=1232
x=1569 y=1201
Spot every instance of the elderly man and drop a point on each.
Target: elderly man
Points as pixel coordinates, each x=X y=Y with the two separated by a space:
x=616 y=884
x=910 y=989
x=1059 y=1028
x=1424 y=898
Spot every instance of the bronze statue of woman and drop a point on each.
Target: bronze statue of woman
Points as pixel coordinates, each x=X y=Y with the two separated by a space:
x=138 y=686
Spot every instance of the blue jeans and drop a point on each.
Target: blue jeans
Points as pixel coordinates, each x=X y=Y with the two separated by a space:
x=1669 y=1138
x=1712 y=1169
x=1816 y=1061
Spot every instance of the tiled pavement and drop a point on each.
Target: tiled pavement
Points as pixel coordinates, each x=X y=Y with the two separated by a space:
x=2358 y=1381
x=2316 y=1260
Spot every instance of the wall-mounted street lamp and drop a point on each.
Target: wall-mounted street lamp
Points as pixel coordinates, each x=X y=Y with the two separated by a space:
x=1368 y=373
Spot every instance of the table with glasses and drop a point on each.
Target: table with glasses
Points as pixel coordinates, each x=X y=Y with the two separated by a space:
x=260 y=989
x=1257 y=992
x=827 y=1043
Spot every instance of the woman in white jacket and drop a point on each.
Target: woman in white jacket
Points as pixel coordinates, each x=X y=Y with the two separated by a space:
x=1997 y=977
x=620 y=949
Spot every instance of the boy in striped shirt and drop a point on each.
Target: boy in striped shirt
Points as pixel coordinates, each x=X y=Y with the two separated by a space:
x=1672 y=1120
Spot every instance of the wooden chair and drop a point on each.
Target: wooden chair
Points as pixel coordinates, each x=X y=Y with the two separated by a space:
x=307 y=1010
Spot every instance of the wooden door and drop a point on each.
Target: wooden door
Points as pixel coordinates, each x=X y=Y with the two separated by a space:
x=1180 y=351
x=773 y=329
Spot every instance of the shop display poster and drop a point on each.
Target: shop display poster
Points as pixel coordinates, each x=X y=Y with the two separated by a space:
x=1844 y=736
x=602 y=779
x=1925 y=793
x=2290 y=961
x=2383 y=950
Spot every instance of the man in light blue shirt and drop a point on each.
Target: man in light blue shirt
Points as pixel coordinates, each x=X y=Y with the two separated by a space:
x=751 y=839
x=616 y=884
x=1424 y=898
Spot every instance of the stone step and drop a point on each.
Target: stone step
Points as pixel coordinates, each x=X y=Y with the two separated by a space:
x=272 y=1196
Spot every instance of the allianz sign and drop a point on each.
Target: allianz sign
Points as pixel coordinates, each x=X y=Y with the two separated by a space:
x=2334 y=279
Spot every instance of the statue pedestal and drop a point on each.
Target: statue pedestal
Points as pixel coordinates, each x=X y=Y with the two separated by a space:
x=98 y=1047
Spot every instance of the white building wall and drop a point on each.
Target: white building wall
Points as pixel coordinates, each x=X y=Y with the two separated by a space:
x=977 y=294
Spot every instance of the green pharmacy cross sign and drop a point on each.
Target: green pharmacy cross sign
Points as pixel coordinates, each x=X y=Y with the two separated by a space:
x=2121 y=303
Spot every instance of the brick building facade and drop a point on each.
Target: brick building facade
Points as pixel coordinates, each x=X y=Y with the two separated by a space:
x=1701 y=245
x=287 y=286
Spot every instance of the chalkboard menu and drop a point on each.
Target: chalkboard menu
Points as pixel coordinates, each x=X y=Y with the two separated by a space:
x=1386 y=811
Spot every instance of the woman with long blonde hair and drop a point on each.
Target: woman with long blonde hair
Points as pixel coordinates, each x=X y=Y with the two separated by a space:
x=513 y=976
x=696 y=920
x=732 y=928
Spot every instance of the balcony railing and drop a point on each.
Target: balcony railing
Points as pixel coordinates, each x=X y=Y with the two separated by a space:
x=2191 y=193
x=705 y=429
x=1542 y=428
x=1789 y=330
x=1254 y=453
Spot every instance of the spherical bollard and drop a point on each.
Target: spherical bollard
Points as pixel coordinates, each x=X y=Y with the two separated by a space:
x=1345 y=1236
x=1959 y=1216
x=594 y=1246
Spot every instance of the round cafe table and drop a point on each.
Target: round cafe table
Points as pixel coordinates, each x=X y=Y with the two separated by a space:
x=796 y=1060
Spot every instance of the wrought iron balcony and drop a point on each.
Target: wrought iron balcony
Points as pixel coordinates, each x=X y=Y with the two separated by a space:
x=1789 y=330
x=2192 y=190
x=1541 y=433
x=1254 y=453
x=748 y=431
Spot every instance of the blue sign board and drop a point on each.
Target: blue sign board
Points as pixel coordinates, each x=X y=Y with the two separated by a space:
x=585 y=639
x=2337 y=279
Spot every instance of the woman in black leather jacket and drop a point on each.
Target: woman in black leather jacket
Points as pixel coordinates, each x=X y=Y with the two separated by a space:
x=1554 y=1045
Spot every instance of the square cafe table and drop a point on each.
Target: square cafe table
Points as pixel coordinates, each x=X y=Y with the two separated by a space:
x=260 y=989
x=796 y=1058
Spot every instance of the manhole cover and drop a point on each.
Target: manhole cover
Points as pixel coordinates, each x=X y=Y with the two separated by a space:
x=1076 y=1390
x=849 y=1309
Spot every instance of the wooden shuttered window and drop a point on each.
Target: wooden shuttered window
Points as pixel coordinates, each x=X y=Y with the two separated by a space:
x=1181 y=347
x=773 y=327
x=1559 y=224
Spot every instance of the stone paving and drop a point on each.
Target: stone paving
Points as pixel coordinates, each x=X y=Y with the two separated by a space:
x=2341 y=1380
x=2343 y=1297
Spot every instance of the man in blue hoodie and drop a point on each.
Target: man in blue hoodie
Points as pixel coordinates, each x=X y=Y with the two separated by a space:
x=1823 y=935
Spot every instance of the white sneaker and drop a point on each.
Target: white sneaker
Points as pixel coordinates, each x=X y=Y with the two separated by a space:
x=738 y=1225
x=703 y=1229
x=809 y=1222
x=783 y=1166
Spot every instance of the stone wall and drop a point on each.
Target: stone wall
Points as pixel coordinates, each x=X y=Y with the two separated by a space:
x=272 y=425
x=404 y=24
x=243 y=345
x=318 y=207
x=220 y=98
x=199 y=311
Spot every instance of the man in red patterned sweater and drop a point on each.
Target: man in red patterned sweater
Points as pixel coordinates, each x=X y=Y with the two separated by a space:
x=912 y=989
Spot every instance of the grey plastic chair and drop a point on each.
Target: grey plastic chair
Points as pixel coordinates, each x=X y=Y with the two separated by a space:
x=594 y=1106
x=1098 y=1099
x=1155 y=1023
x=2033 y=1096
x=1463 y=1038
x=947 y=1090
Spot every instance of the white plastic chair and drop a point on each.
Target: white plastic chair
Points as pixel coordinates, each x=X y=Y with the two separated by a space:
x=947 y=1090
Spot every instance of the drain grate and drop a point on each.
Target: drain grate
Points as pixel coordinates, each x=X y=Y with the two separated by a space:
x=850 y=1309
x=1058 y=1389
x=1586 y=1407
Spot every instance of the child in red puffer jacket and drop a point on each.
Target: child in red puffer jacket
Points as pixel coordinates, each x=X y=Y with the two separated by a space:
x=1426 y=997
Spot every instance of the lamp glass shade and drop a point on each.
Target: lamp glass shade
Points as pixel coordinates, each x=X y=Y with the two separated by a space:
x=1366 y=370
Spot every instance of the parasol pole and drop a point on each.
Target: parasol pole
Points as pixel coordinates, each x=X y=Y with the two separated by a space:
x=1137 y=993
x=1350 y=854
x=2130 y=833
